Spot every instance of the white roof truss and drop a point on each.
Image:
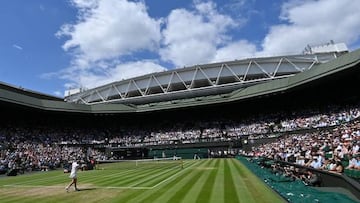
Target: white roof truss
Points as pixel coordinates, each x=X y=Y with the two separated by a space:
x=197 y=78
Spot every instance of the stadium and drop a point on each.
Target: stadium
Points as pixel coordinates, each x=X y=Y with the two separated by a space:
x=267 y=129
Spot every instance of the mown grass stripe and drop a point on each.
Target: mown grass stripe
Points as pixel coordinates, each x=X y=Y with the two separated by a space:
x=34 y=198
x=15 y=197
x=100 y=178
x=117 y=175
x=139 y=176
x=244 y=194
x=251 y=193
x=156 y=176
x=190 y=167
x=245 y=182
x=229 y=186
x=39 y=180
x=10 y=197
x=150 y=196
x=258 y=191
x=113 y=173
x=160 y=173
x=156 y=180
x=193 y=194
x=201 y=181
x=87 y=177
x=127 y=181
x=80 y=188
x=44 y=182
x=120 y=177
x=137 y=173
x=27 y=176
x=206 y=189
x=217 y=193
x=177 y=187
x=183 y=189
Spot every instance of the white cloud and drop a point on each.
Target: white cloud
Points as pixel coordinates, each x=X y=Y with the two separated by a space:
x=236 y=50
x=313 y=22
x=58 y=93
x=83 y=4
x=42 y=7
x=90 y=79
x=109 y=29
x=17 y=47
x=106 y=32
x=133 y=69
x=204 y=35
x=192 y=37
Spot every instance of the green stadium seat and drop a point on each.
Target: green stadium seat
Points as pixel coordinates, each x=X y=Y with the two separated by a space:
x=347 y=172
x=351 y=173
x=328 y=155
x=345 y=163
x=356 y=173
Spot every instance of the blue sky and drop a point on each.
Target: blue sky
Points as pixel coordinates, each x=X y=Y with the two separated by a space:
x=51 y=46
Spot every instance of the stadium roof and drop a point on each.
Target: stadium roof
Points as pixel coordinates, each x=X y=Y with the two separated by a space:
x=319 y=70
x=206 y=79
x=31 y=93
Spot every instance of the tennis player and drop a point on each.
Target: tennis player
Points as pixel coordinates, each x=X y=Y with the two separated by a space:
x=73 y=175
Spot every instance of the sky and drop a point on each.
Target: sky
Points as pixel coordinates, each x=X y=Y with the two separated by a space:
x=53 y=46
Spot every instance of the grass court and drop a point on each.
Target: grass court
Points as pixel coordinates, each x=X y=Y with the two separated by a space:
x=207 y=180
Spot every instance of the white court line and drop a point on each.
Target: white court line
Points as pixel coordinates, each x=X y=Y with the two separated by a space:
x=152 y=177
x=109 y=187
x=97 y=187
x=173 y=176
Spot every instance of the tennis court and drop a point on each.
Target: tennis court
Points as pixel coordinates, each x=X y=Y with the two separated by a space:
x=215 y=180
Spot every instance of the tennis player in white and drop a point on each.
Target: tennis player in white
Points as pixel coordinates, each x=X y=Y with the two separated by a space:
x=73 y=175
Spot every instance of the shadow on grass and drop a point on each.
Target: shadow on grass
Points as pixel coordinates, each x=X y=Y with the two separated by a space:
x=85 y=189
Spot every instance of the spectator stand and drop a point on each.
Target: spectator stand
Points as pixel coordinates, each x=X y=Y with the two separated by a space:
x=294 y=189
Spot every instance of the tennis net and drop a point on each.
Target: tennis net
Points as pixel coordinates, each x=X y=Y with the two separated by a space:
x=163 y=163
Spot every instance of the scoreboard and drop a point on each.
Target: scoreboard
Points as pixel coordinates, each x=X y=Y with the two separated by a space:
x=127 y=153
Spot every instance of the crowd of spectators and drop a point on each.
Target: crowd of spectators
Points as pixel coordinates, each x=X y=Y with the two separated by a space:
x=332 y=149
x=288 y=173
x=42 y=148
